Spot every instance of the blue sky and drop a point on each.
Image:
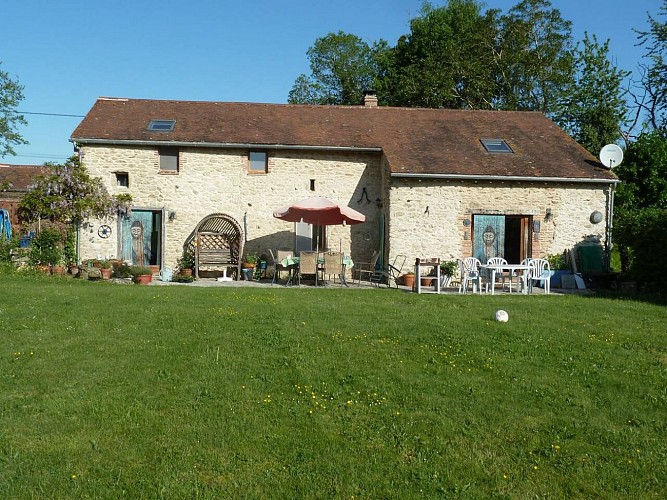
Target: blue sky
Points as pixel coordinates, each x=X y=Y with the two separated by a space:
x=66 y=53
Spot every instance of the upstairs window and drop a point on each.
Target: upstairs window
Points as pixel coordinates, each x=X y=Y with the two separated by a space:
x=122 y=179
x=257 y=162
x=496 y=146
x=168 y=160
x=161 y=125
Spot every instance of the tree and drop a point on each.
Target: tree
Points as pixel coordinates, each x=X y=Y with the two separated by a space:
x=68 y=194
x=644 y=172
x=11 y=94
x=592 y=107
x=342 y=67
x=654 y=78
x=534 y=57
x=445 y=62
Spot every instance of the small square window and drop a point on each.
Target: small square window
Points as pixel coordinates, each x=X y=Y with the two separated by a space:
x=257 y=161
x=168 y=159
x=161 y=125
x=496 y=146
x=122 y=179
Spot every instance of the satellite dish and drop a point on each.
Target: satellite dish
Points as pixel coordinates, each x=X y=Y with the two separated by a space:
x=611 y=155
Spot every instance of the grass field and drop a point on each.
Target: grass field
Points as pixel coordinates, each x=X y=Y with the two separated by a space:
x=110 y=391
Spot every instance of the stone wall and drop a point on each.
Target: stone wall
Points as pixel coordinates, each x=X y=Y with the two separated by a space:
x=432 y=218
x=218 y=181
x=424 y=218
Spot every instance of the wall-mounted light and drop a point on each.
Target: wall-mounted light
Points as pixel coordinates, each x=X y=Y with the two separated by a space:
x=548 y=215
x=172 y=216
x=596 y=217
x=466 y=222
x=378 y=202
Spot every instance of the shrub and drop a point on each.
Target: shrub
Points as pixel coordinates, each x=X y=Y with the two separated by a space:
x=46 y=248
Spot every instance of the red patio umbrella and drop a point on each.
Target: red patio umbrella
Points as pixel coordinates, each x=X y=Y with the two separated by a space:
x=319 y=211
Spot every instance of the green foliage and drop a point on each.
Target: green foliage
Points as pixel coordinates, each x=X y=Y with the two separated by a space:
x=654 y=77
x=46 y=248
x=341 y=67
x=557 y=261
x=447 y=60
x=181 y=278
x=135 y=271
x=251 y=258
x=644 y=172
x=643 y=240
x=69 y=194
x=534 y=56
x=11 y=94
x=449 y=267
x=187 y=260
x=592 y=107
x=287 y=393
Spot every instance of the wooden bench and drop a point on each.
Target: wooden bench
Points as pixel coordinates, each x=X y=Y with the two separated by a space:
x=215 y=257
x=218 y=243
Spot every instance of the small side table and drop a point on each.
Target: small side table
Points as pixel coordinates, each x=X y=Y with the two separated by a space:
x=419 y=263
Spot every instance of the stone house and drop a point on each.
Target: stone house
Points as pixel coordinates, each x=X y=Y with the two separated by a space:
x=431 y=182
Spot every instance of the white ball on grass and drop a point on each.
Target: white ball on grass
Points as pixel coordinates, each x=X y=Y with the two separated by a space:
x=502 y=316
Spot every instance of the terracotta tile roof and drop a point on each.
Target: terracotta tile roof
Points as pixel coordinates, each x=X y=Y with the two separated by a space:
x=20 y=177
x=414 y=140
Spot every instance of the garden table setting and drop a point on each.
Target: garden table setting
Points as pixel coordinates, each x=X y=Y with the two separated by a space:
x=292 y=262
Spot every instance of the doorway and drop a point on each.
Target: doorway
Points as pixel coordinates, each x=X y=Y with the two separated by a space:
x=506 y=236
x=141 y=238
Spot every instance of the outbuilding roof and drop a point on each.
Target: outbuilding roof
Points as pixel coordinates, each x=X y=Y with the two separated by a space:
x=414 y=141
x=20 y=177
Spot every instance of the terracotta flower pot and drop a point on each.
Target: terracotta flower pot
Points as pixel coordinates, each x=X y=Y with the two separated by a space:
x=58 y=270
x=427 y=281
x=409 y=280
x=106 y=273
x=185 y=272
x=143 y=279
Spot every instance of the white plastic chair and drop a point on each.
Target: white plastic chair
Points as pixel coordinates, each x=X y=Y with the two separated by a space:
x=519 y=279
x=495 y=261
x=540 y=271
x=469 y=268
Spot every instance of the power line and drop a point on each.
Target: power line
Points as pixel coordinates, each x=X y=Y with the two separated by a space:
x=47 y=114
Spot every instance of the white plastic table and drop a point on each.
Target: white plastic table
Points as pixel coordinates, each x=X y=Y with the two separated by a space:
x=511 y=268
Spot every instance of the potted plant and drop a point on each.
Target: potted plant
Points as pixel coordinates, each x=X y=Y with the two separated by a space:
x=427 y=279
x=186 y=263
x=409 y=279
x=105 y=269
x=558 y=265
x=141 y=275
x=447 y=272
x=249 y=261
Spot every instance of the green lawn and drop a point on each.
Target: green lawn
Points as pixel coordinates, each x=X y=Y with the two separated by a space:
x=111 y=391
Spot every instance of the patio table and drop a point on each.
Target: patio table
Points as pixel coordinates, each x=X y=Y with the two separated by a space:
x=511 y=268
x=292 y=262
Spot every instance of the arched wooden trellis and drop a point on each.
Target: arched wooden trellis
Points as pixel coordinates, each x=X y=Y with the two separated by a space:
x=218 y=244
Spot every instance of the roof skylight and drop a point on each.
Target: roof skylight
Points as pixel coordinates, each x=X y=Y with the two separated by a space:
x=496 y=146
x=161 y=125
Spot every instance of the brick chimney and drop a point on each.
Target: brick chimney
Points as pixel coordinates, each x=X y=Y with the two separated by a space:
x=370 y=99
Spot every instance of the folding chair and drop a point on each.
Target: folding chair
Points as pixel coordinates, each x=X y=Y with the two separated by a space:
x=390 y=272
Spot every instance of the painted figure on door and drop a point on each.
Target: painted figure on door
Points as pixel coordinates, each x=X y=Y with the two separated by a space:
x=137 y=232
